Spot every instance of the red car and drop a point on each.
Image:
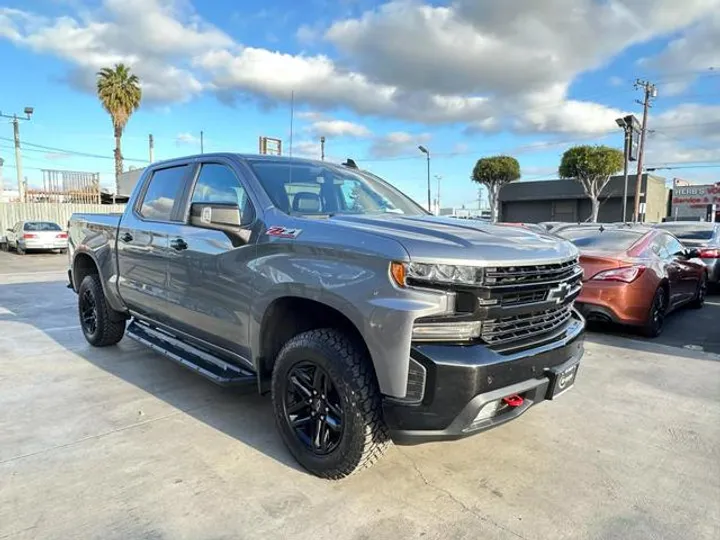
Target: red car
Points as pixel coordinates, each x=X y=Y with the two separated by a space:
x=636 y=275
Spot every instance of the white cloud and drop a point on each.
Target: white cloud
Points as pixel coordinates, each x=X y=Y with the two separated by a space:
x=482 y=64
x=338 y=128
x=694 y=53
x=186 y=138
x=306 y=149
x=154 y=38
x=398 y=143
x=616 y=81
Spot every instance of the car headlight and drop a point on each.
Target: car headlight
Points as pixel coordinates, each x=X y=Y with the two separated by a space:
x=445 y=273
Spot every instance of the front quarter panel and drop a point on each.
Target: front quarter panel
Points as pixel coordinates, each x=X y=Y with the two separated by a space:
x=349 y=273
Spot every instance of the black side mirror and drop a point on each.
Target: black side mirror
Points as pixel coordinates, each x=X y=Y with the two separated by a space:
x=692 y=253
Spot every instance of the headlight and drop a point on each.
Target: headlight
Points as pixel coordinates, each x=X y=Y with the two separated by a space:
x=445 y=273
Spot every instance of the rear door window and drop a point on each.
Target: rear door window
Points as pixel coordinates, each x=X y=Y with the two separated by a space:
x=162 y=193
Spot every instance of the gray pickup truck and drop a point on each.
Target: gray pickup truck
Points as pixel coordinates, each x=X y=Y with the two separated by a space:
x=366 y=318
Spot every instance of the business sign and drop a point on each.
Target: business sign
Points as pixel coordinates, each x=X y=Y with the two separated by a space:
x=690 y=201
x=634 y=136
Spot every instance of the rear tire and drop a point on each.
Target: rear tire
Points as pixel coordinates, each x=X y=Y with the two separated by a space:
x=699 y=300
x=101 y=325
x=656 y=317
x=327 y=404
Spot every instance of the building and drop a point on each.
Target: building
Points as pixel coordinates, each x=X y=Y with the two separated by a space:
x=127 y=181
x=689 y=202
x=565 y=200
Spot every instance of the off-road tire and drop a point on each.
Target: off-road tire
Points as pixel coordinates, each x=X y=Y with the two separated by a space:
x=654 y=326
x=365 y=436
x=109 y=326
x=699 y=301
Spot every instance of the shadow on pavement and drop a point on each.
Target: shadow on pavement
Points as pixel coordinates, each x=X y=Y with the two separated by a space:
x=240 y=413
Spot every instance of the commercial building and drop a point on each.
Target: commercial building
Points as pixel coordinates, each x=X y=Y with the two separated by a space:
x=689 y=202
x=565 y=200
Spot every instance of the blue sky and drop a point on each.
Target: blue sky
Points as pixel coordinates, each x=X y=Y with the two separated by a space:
x=466 y=78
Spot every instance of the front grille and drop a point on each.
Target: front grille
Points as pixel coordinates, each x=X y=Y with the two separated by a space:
x=516 y=298
x=519 y=327
x=503 y=276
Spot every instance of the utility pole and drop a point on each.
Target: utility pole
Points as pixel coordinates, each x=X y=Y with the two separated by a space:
x=427 y=153
x=151 y=147
x=202 y=143
x=18 y=154
x=322 y=148
x=650 y=92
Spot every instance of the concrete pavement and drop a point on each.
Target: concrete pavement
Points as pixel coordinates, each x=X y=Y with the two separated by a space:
x=122 y=443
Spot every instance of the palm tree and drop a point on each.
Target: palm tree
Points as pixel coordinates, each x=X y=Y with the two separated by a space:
x=120 y=94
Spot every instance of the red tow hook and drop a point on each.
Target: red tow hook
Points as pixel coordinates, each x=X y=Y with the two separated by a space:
x=513 y=401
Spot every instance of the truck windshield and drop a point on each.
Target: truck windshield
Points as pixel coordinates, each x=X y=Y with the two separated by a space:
x=320 y=189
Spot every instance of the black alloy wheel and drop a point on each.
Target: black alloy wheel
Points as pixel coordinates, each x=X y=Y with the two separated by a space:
x=658 y=310
x=88 y=312
x=702 y=289
x=313 y=407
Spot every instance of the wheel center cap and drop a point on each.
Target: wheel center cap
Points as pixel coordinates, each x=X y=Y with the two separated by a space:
x=316 y=405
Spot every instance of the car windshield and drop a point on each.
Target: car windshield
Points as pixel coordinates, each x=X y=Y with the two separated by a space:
x=691 y=233
x=604 y=240
x=320 y=189
x=41 y=226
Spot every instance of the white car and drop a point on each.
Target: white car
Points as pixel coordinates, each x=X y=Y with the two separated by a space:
x=36 y=235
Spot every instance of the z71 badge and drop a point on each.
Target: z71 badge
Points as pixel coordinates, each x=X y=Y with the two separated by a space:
x=283 y=232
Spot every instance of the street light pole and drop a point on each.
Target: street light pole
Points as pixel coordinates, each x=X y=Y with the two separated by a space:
x=427 y=153
x=18 y=154
x=627 y=128
x=438 y=177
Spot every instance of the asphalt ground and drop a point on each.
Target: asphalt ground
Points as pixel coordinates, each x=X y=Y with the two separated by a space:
x=121 y=443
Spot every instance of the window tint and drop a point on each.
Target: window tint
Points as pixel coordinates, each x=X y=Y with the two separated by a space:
x=165 y=186
x=607 y=239
x=673 y=246
x=218 y=184
x=41 y=226
x=311 y=188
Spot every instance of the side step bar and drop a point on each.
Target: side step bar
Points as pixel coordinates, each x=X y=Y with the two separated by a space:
x=202 y=362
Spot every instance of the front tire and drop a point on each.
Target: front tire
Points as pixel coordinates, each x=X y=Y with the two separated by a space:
x=327 y=404
x=656 y=318
x=101 y=325
x=20 y=251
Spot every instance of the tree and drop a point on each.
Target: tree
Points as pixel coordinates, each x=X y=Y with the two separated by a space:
x=592 y=166
x=493 y=173
x=119 y=92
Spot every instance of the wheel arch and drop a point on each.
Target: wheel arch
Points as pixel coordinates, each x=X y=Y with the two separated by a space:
x=287 y=316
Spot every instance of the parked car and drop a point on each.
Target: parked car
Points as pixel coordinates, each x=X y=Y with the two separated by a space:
x=36 y=236
x=636 y=275
x=530 y=226
x=361 y=314
x=703 y=236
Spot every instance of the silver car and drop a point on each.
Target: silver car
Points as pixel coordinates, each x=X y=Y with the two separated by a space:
x=702 y=236
x=36 y=235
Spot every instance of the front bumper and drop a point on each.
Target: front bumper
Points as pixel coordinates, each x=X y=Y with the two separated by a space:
x=461 y=380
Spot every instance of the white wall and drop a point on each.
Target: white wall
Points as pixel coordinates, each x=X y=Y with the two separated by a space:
x=11 y=213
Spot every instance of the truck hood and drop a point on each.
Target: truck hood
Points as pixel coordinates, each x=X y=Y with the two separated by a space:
x=447 y=240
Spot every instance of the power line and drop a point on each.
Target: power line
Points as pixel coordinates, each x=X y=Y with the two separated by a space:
x=71 y=152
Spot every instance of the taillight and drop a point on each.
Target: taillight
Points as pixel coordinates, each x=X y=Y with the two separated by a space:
x=61 y=235
x=29 y=235
x=626 y=274
x=710 y=253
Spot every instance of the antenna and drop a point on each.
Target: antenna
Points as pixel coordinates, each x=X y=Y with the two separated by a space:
x=292 y=118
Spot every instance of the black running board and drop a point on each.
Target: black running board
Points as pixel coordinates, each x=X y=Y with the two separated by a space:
x=202 y=362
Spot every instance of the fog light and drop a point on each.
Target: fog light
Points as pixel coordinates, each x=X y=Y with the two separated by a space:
x=446 y=331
